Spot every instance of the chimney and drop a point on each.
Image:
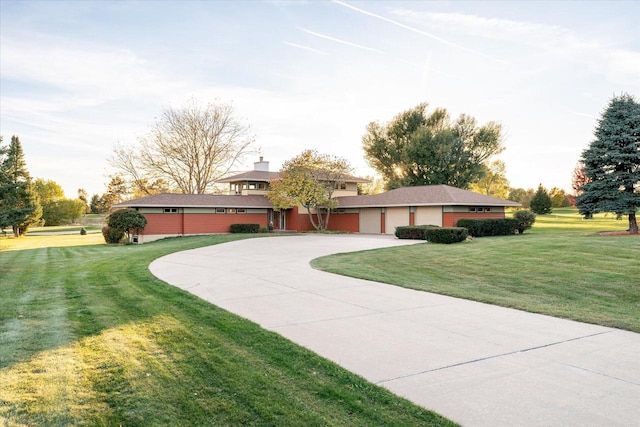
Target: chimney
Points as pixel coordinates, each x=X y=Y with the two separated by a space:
x=261 y=165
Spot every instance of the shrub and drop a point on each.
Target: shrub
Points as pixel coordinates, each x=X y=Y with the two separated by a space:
x=446 y=235
x=83 y=231
x=245 y=228
x=127 y=221
x=112 y=235
x=490 y=227
x=415 y=232
x=525 y=218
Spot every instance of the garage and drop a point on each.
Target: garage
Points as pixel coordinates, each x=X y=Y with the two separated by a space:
x=370 y=222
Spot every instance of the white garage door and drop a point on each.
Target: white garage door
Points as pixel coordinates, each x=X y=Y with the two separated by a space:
x=428 y=215
x=395 y=217
x=370 y=220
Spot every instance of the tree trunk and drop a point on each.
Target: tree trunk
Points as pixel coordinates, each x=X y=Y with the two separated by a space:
x=633 y=224
x=311 y=218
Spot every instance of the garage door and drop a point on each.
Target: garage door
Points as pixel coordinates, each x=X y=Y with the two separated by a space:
x=370 y=220
x=395 y=217
x=428 y=215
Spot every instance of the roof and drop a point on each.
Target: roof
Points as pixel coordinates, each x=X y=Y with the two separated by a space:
x=255 y=175
x=429 y=195
x=197 y=201
x=252 y=176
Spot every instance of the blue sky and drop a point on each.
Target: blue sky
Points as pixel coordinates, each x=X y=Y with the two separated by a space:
x=78 y=77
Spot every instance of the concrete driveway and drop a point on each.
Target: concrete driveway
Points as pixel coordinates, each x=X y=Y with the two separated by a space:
x=477 y=364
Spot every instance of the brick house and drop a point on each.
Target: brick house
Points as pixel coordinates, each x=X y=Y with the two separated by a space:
x=245 y=202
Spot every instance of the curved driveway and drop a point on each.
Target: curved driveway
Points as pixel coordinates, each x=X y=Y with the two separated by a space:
x=478 y=364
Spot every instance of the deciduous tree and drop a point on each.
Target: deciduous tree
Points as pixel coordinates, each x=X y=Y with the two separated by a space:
x=612 y=163
x=494 y=182
x=190 y=148
x=417 y=148
x=309 y=180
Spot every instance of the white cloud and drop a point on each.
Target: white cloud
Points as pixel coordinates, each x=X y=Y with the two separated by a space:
x=537 y=41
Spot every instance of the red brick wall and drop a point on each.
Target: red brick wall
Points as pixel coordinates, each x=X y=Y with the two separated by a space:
x=219 y=223
x=342 y=222
x=449 y=219
x=165 y=223
x=345 y=222
x=161 y=223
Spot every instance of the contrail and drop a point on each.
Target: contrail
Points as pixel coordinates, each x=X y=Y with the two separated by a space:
x=300 y=46
x=415 y=30
x=340 y=41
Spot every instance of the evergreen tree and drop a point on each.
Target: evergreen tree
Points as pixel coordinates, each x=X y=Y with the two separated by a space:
x=612 y=163
x=19 y=206
x=541 y=203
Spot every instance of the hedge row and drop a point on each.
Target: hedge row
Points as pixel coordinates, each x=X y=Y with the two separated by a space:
x=414 y=232
x=446 y=235
x=490 y=227
x=245 y=228
x=432 y=233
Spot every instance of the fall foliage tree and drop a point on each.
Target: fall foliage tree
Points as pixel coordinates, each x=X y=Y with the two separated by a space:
x=309 y=180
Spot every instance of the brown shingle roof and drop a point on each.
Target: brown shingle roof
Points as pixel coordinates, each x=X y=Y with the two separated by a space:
x=429 y=195
x=267 y=176
x=197 y=201
x=252 y=176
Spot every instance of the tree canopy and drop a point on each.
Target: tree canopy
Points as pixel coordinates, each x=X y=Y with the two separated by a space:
x=56 y=209
x=19 y=206
x=309 y=180
x=187 y=150
x=612 y=163
x=417 y=148
x=494 y=182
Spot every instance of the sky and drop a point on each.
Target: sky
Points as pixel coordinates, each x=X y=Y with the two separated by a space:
x=79 y=77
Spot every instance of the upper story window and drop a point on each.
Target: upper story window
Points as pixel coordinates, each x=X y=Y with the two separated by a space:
x=479 y=209
x=170 y=210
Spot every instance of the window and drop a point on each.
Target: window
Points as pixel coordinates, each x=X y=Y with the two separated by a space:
x=241 y=210
x=170 y=210
x=231 y=210
x=220 y=210
x=479 y=209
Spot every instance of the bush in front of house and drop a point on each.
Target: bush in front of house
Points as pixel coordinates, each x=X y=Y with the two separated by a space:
x=244 y=228
x=414 y=232
x=112 y=235
x=490 y=227
x=446 y=235
x=526 y=219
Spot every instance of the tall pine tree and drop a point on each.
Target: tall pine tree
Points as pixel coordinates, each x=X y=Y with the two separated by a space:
x=612 y=163
x=19 y=206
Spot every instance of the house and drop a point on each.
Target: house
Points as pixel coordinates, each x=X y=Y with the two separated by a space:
x=245 y=201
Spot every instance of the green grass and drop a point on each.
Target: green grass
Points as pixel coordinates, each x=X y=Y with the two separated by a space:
x=89 y=337
x=561 y=267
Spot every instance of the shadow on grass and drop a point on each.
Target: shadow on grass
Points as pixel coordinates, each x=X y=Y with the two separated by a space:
x=89 y=336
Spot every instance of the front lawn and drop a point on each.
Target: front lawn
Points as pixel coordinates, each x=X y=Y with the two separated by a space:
x=89 y=337
x=561 y=267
